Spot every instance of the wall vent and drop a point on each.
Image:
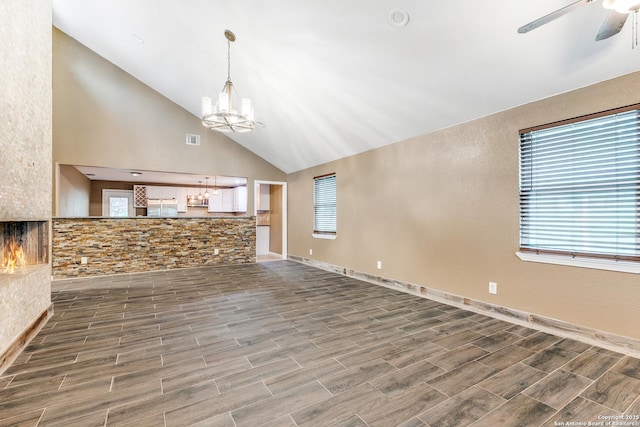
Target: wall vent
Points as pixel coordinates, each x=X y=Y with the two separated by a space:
x=193 y=139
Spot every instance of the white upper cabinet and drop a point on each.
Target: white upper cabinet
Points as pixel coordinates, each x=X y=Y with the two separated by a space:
x=229 y=200
x=264 y=200
x=154 y=192
x=161 y=192
x=241 y=199
x=181 y=198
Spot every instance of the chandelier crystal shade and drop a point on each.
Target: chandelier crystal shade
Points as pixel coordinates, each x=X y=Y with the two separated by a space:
x=224 y=116
x=622 y=6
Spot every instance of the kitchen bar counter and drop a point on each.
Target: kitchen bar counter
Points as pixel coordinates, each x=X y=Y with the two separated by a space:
x=105 y=245
x=155 y=217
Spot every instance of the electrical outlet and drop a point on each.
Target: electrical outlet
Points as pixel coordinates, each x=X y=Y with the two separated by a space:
x=493 y=288
x=84 y=260
x=310 y=251
x=379 y=265
x=216 y=251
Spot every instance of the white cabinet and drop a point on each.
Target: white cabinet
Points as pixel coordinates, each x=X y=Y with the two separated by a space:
x=154 y=192
x=160 y=192
x=262 y=240
x=181 y=198
x=241 y=199
x=215 y=202
x=264 y=201
x=229 y=200
x=169 y=192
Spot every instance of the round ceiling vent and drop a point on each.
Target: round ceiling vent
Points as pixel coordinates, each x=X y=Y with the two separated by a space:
x=398 y=18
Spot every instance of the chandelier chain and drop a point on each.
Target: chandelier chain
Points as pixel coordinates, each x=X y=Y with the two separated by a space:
x=228 y=59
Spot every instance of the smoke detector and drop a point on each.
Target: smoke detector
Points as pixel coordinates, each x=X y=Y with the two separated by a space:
x=398 y=18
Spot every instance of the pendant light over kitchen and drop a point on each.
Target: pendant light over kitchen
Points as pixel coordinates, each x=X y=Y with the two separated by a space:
x=223 y=116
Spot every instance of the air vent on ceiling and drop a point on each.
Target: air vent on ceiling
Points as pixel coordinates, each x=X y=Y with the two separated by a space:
x=193 y=139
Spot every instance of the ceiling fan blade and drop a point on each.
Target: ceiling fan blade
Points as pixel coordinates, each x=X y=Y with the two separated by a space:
x=612 y=25
x=552 y=16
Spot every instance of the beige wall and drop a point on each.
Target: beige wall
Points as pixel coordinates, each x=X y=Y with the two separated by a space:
x=105 y=117
x=25 y=159
x=73 y=192
x=441 y=211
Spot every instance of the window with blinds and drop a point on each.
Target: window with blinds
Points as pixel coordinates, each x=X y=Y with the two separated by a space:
x=579 y=186
x=324 y=204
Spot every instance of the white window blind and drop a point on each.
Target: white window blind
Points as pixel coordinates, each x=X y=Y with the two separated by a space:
x=324 y=204
x=579 y=187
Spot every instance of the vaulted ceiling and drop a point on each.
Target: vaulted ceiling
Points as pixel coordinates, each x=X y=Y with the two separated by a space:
x=332 y=78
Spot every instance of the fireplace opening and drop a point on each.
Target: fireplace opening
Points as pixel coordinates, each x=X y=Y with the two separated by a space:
x=24 y=244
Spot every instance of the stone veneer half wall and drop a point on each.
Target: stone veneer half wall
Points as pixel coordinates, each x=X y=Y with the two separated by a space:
x=133 y=245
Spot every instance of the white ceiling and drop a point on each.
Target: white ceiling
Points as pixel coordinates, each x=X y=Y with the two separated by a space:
x=331 y=78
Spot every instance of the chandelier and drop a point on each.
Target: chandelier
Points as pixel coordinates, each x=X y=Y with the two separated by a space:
x=223 y=116
x=622 y=6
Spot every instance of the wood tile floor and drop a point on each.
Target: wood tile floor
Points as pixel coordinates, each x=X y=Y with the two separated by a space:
x=283 y=344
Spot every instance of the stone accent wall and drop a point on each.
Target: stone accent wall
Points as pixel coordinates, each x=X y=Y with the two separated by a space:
x=25 y=103
x=25 y=159
x=133 y=245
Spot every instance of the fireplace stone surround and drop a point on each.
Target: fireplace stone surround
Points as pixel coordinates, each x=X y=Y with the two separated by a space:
x=25 y=167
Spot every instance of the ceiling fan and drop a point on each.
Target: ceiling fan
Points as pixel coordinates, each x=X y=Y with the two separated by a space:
x=619 y=11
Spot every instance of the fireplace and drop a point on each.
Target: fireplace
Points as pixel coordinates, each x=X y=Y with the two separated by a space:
x=24 y=244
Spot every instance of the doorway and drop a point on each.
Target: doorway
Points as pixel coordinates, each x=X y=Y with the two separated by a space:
x=270 y=204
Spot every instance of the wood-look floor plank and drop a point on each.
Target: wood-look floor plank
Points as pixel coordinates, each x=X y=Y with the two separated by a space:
x=508 y=382
x=614 y=390
x=213 y=407
x=459 y=379
x=591 y=364
x=558 y=389
x=520 y=411
x=280 y=405
x=462 y=409
x=580 y=410
x=402 y=408
x=280 y=383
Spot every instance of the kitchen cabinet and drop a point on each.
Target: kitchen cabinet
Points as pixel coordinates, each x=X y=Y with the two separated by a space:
x=160 y=192
x=262 y=239
x=264 y=201
x=229 y=200
x=240 y=199
x=181 y=198
x=154 y=192
x=215 y=202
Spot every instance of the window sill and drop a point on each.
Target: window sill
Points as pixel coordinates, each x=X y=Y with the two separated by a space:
x=324 y=236
x=600 y=264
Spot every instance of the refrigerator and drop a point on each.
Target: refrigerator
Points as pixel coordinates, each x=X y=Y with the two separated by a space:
x=162 y=207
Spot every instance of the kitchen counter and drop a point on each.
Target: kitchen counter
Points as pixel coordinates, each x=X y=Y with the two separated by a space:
x=155 y=217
